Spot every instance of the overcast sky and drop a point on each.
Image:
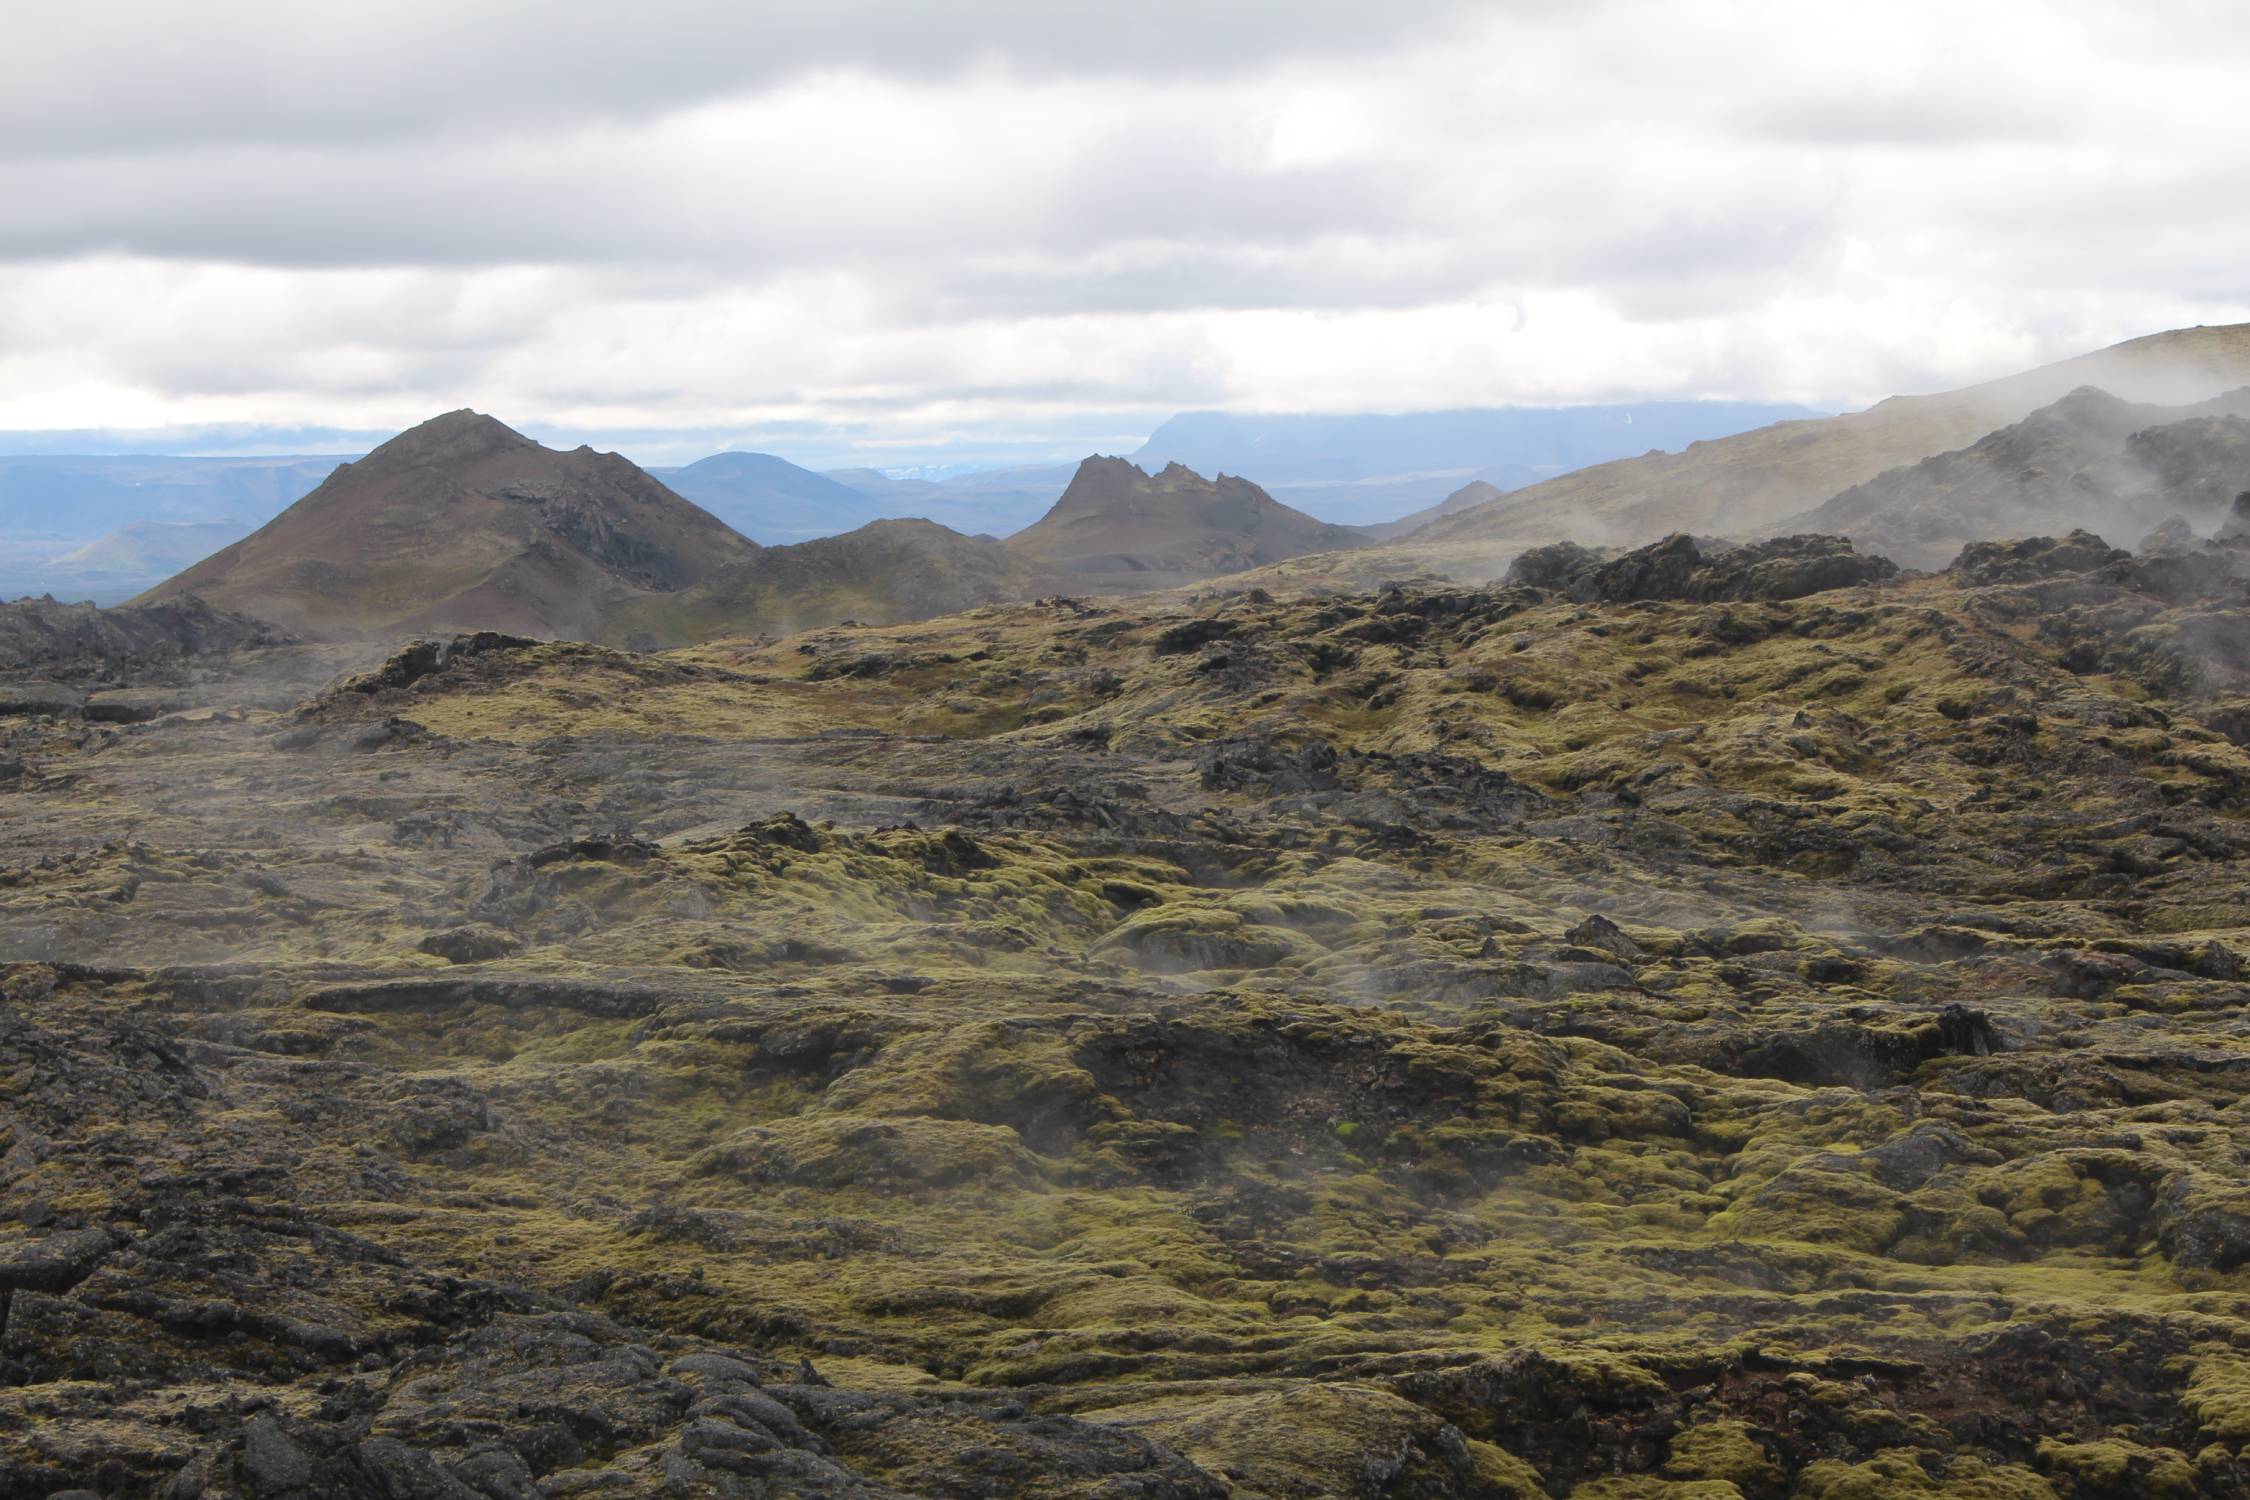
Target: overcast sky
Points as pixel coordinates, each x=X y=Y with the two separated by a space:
x=897 y=231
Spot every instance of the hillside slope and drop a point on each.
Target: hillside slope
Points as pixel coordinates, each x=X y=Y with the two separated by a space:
x=885 y=573
x=148 y=549
x=1370 y=468
x=2087 y=461
x=1475 y=493
x=1747 y=483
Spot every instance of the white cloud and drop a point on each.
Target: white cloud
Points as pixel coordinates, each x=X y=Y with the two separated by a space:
x=898 y=222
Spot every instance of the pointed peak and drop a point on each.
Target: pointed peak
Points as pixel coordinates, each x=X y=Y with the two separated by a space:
x=454 y=436
x=1102 y=474
x=1108 y=464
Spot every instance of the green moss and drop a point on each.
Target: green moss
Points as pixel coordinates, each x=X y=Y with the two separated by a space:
x=1902 y=1474
x=2113 y=1467
x=1313 y=1440
x=837 y=1150
x=2218 y=1393
x=1722 y=1450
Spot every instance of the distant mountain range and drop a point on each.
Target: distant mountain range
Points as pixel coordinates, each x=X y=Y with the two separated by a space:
x=79 y=499
x=1794 y=476
x=1352 y=469
x=149 y=549
x=1360 y=470
x=464 y=524
x=469 y=525
x=772 y=500
x=105 y=527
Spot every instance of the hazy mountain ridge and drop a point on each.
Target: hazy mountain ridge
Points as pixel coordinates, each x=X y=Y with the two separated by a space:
x=1361 y=469
x=150 y=548
x=769 y=499
x=1753 y=481
x=552 y=552
x=1369 y=469
x=82 y=497
x=98 y=526
x=2089 y=461
x=1475 y=493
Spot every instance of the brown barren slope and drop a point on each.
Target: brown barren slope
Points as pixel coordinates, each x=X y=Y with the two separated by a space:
x=1738 y=484
x=885 y=573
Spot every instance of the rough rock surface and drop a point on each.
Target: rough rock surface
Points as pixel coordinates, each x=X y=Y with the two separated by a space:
x=1682 y=568
x=1678 y=1042
x=53 y=636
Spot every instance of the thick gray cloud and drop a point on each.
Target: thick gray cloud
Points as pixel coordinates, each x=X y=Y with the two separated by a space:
x=125 y=76
x=905 y=225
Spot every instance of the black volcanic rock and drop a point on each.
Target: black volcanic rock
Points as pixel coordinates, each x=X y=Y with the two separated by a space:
x=2034 y=557
x=47 y=633
x=1681 y=568
x=1636 y=1035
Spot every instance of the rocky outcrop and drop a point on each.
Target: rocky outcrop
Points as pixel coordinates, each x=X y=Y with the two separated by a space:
x=47 y=635
x=2036 y=557
x=1682 y=568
